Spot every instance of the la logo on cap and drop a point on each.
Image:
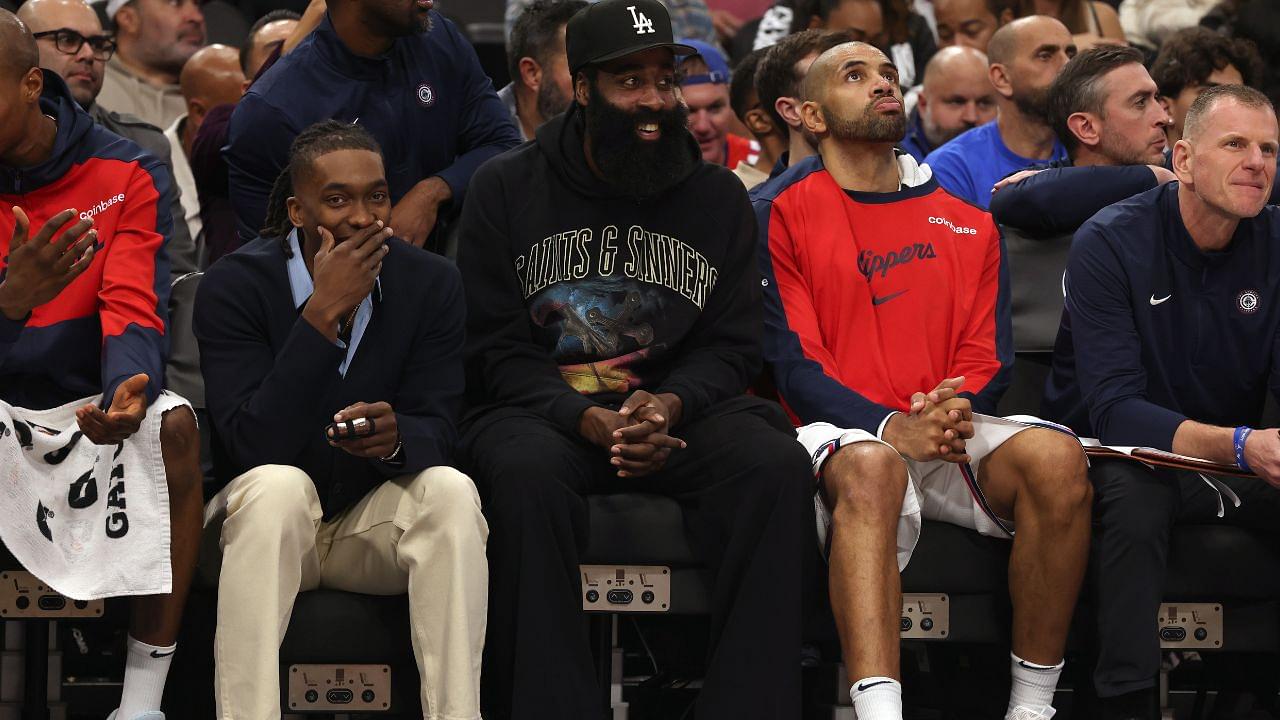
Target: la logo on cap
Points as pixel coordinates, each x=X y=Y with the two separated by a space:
x=641 y=22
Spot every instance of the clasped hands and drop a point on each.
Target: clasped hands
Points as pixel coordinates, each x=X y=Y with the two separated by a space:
x=935 y=427
x=637 y=434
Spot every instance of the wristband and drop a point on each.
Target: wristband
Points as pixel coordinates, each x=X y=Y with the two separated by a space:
x=1241 y=436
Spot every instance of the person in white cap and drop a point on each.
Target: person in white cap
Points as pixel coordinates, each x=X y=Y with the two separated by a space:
x=155 y=38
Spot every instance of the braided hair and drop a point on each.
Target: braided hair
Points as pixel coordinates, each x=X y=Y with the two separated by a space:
x=311 y=144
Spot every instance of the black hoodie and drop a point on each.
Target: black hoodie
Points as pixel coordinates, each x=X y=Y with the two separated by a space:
x=578 y=295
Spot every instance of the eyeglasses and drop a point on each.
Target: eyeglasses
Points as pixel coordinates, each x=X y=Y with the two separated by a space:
x=69 y=41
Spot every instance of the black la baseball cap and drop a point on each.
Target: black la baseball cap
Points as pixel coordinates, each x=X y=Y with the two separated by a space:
x=611 y=29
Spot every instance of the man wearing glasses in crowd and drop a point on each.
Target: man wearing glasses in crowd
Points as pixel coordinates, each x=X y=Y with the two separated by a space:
x=73 y=45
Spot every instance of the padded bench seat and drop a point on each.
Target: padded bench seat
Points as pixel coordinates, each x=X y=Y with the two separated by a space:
x=646 y=529
x=334 y=627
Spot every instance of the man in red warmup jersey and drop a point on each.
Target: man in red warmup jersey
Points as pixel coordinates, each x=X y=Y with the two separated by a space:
x=888 y=330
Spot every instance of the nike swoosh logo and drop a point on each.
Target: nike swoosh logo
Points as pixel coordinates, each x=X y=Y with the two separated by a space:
x=867 y=686
x=158 y=654
x=886 y=298
x=1155 y=302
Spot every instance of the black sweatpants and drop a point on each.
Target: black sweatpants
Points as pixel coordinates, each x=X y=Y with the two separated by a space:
x=744 y=483
x=1135 y=508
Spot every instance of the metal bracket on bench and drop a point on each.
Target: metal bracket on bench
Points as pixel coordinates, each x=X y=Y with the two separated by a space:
x=626 y=588
x=344 y=688
x=926 y=616
x=1190 y=626
x=23 y=595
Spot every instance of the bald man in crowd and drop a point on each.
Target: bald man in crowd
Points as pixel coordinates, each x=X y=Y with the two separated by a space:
x=957 y=96
x=72 y=44
x=1024 y=58
x=212 y=77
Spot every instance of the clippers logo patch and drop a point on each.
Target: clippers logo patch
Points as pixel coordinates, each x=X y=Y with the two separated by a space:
x=426 y=96
x=640 y=21
x=1247 y=302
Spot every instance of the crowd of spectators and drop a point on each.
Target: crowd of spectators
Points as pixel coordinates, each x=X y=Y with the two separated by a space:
x=569 y=284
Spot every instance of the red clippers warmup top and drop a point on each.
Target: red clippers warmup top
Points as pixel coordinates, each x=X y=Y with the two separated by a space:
x=109 y=323
x=871 y=297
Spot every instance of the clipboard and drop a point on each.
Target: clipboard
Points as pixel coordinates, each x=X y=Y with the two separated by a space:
x=1160 y=458
x=1151 y=457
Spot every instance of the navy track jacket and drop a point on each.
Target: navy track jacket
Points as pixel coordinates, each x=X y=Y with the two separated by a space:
x=1156 y=331
x=426 y=101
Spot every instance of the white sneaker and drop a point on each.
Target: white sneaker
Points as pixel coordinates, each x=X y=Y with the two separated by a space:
x=149 y=715
x=1023 y=712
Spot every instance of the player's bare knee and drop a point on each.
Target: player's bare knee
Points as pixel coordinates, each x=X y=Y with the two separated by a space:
x=866 y=477
x=179 y=439
x=178 y=430
x=1057 y=473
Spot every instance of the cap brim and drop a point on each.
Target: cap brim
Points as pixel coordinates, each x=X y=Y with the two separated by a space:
x=676 y=48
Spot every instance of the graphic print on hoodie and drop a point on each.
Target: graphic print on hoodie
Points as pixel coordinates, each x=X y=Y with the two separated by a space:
x=602 y=290
x=579 y=295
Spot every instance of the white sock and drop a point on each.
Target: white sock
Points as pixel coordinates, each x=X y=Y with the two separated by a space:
x=145 y=669
x=877 y=698
x=1033 y=685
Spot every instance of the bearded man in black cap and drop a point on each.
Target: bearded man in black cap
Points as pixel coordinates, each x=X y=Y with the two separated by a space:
x=614 y=325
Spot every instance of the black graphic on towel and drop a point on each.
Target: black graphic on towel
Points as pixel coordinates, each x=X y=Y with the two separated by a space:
x=42 y=521
x=24 y=434
x=56 y=457
x=117 y=522
x=83 y=493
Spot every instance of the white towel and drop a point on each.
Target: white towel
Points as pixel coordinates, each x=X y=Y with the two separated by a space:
x=91 y=521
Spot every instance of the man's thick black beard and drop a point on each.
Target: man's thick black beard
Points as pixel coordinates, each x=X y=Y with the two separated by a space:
x=635 y=167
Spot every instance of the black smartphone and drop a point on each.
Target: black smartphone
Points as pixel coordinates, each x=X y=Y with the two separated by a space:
x=352 y=429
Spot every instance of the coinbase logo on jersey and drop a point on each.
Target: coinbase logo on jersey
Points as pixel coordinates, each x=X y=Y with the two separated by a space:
x=957 y=229
x=102 y=205
x=640 y=21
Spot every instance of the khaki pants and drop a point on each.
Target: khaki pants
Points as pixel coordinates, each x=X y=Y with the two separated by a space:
x=423 y=534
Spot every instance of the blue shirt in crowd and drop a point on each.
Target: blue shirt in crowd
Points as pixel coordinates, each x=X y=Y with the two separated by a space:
x=977 y=159
x=1157 y=331
x=916 y=143
x=427 y=101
